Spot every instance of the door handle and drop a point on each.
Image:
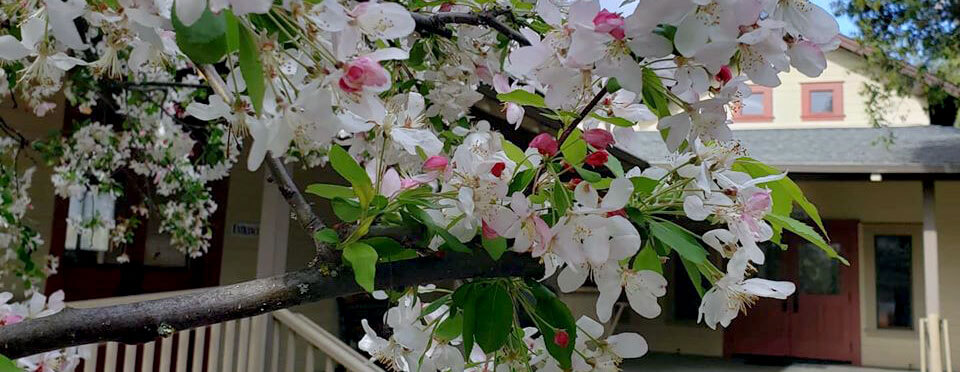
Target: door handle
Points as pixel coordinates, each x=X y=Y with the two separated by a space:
x=796 y=303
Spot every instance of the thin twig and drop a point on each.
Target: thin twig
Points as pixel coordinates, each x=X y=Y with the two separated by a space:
x=583 y=115
x=326 y=257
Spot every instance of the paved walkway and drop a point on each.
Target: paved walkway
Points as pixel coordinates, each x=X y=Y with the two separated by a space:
x=687 y=363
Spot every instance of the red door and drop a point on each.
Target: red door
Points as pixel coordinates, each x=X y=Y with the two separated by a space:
x=821 y=320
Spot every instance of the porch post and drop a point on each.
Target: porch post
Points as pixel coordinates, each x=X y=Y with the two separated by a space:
x=274 y=227
x=931 y=277
x=271 y=260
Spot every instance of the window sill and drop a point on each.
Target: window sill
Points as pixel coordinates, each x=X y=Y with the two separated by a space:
x=828 y=117
x=753 y=119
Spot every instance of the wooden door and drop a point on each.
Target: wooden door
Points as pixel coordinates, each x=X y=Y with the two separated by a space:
x=769 y=320
x=824 y=312
x=821 y=320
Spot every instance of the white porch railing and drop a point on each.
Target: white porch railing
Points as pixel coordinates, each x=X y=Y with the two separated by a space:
x=281 y=341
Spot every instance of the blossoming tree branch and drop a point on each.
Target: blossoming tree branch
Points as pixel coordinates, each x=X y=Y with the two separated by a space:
x=381 y=93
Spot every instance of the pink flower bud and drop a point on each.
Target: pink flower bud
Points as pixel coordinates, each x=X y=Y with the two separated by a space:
x=596 y=159
x=598 y=138
x=498 y=168
x=361 y=72
x=608 y=22
x=435 y=163
x=545 y=144
x=724 y=75
x=561 y=338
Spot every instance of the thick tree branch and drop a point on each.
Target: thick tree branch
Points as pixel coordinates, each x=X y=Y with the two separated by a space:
x=145 y=321
x=436 y=23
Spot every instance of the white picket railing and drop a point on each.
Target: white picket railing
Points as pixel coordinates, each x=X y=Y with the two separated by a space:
x=281 y=341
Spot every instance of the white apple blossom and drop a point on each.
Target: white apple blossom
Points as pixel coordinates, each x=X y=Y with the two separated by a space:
x=733 y=294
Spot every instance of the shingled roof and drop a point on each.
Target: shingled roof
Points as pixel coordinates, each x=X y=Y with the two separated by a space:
x=918 y=149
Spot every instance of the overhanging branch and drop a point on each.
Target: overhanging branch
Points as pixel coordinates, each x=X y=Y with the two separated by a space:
x=143 y=321
x=436 y=23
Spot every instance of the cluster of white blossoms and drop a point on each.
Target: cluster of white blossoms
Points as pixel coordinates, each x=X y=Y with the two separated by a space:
x=396 y=82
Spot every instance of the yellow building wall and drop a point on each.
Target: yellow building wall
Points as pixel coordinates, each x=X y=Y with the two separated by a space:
x=842 y=66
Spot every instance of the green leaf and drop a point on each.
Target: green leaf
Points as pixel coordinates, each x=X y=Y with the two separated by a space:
x=389 y=250
x=469 y=306
x=613 y=164
x=7 y=365
x=613 y=85
x=452 y=242
x=553 y=314
x=363 y=259
x=521 y=181
x=496 y=307
x=589 y=176
x=328 y=236
x=328 y=191
x=450 y=328
x=417 y=54
x=806 y=232
x=522 y=97
x=674 y=236
x=641 y=185
x=647 y=259
x=514 y=153
x=252 y=69
x=233 y=31
x=348 y=168
x=654 y=95
x=436 y=304
x=495 y=247
x=561 y=197
x=346 y=210
x=693 y=272
x=615 y=120
x=205 y=41
x=574 y=148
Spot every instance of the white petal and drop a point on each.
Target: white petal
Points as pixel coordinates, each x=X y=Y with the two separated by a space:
x=241 y=7
x=571 y=278
x=62 y=14
x=691 y=35
x=628 y=345
x=618 y=194
x=12 y=49
x=586 y=195
x=679 y=125
x=388 y=54
x=769 y=288
x=590 y=327
x=694 y=208
x=189 y=11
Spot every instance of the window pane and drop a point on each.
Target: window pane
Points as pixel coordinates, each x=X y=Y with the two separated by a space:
x=818 y=273
x=752 y=105
x=821 y=101
x=893 y=256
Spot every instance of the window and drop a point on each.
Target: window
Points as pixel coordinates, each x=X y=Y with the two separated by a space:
x=894 y=285
x=822 y=101
x=87 y=228
x=758 y=107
